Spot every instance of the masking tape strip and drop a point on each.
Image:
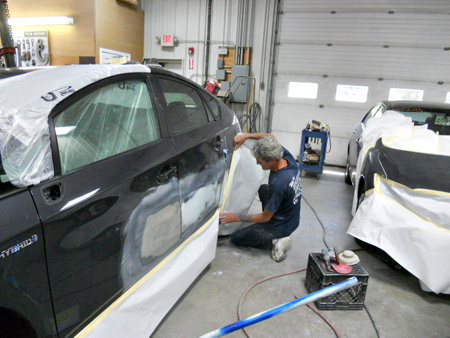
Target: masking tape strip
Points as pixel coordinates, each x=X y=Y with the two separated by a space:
x=377 y=190
x=229 y=179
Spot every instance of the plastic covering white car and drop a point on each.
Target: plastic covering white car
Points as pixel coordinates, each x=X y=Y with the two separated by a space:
x=402 y=190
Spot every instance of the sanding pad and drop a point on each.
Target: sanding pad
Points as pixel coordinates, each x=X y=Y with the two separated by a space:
x=341 y=267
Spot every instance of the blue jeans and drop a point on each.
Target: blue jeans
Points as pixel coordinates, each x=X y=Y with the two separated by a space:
x=258 y=235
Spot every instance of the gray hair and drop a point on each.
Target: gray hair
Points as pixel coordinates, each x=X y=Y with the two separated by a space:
x=268 y=148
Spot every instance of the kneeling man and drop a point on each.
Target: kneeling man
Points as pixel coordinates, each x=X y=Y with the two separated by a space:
x=280 y=199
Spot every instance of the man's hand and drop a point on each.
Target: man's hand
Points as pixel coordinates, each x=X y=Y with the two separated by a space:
x=228 y=218
x=239 y=140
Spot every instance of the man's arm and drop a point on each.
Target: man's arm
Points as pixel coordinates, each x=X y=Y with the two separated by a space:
x=263 y=217
x=239 y=139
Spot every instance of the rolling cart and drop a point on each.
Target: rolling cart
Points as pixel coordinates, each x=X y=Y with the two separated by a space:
x=309 y=159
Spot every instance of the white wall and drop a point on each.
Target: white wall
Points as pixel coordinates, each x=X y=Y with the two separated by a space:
x=187 y=20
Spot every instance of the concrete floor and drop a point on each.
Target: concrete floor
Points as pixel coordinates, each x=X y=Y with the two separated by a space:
x=394 y=298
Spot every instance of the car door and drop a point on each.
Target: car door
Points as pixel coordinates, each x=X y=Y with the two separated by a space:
x=355 y=144
x=201 y=147
x=24 y=287
x=112 y=211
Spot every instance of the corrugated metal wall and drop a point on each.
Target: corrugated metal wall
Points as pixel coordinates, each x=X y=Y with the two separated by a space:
x=379 y=44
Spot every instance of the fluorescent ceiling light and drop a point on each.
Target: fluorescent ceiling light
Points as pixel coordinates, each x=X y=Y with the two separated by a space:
x=43 y=20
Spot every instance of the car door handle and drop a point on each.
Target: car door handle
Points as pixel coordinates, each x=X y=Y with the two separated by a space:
x=166 y=174
x=218 y=142
x=53 y=193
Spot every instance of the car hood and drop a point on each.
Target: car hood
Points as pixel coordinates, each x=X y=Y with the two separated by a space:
x=25 y=104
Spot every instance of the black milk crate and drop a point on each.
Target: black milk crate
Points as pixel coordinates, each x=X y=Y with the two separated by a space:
x=318 y=277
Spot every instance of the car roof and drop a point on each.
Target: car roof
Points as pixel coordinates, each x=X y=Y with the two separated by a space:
x=426 y=105
x=9 y=72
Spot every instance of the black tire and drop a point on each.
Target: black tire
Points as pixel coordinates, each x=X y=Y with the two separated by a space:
x=361 y=198
x=348 y=178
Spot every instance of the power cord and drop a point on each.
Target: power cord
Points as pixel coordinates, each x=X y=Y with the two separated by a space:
x=324 y=241
x=241 y=301
x=321 y=224
x=252 y=119
x=373 y=322
x=272 y=277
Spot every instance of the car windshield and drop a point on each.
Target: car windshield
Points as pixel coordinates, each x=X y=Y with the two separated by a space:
x=438 y=121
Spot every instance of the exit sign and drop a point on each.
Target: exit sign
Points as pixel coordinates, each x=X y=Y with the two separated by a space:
x=167 y=41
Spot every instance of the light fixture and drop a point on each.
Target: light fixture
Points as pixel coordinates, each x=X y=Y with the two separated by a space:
x=42 y=20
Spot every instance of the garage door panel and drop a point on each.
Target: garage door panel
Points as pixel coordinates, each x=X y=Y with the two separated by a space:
x=364 y=62
x=380 y=45
x=365 y=5
x=342 y=120
x=378 y=90
x=366 y=29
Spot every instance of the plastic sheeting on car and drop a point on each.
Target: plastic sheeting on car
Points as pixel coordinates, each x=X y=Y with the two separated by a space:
x=243 y=184
x=411 y=225
x=149 y=300
x=25 y=104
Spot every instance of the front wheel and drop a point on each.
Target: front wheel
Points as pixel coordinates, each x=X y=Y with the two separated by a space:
x=348 y=178
x=361 y=198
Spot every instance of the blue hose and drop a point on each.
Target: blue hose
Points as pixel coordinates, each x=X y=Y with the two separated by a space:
x=282 y=308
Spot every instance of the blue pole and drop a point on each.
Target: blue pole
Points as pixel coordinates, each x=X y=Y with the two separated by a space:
x=282 y=308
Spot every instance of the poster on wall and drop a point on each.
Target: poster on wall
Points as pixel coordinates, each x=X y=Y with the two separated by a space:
x=32 y=48
x=107 y=54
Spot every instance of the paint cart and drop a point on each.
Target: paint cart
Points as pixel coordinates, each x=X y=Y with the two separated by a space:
x=310 y=158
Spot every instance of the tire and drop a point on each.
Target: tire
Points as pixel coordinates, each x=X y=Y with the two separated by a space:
x=348 y=178
x=361 y=198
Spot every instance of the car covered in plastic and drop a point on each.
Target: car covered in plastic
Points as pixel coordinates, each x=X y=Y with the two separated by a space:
x=402 y=186
x=112 y=177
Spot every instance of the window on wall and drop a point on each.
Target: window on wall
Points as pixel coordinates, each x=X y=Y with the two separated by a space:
x=351 y=93
x=108 y=121
x=303 y=90
x=447 y=99
x=396 y=94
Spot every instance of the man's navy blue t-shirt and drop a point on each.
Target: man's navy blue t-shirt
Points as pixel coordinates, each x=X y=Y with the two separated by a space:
x=283 y=198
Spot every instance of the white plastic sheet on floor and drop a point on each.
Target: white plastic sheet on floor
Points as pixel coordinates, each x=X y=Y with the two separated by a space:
x=243 y=184
x=411 y=225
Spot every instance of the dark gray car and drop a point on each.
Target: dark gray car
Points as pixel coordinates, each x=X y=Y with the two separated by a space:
x=107 y=172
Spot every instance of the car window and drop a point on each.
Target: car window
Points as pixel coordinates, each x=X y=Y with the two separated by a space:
x=185 y=106
x=438 y=121
x=374 y=112
x=108 y=121
x=213 y=106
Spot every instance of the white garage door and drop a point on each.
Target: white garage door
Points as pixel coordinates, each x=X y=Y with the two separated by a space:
x=336 y=59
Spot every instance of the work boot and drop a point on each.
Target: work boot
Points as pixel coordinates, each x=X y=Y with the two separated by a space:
x=279 y=248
